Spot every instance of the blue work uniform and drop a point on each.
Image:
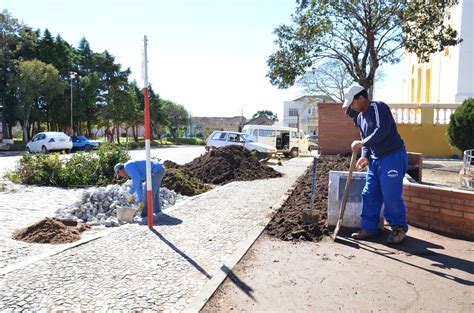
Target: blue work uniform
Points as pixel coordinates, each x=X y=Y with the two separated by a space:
x=136 y=170
x=387 y=156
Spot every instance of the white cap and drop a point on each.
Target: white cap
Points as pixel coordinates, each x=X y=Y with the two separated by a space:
x=350 y=92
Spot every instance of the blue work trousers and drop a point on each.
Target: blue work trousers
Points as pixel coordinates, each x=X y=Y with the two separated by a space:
x=156 y=179
x=384 y=185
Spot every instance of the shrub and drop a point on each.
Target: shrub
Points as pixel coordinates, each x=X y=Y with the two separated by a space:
x=461 y=126
x=188 y=141
x=82 y=169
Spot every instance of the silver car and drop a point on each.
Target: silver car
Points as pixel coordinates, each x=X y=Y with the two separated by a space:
x=49 y=141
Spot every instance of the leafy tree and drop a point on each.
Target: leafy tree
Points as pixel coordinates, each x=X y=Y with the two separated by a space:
x=268 y=114
x=177 y=116
x=37 y=82
x=461 y=126
x=362 y=35
x=17 y=42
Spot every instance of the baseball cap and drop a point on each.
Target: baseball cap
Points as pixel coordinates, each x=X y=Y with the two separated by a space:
x=349 y=94
x=117 y=168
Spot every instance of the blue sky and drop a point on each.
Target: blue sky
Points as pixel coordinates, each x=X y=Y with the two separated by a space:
x=208 y=55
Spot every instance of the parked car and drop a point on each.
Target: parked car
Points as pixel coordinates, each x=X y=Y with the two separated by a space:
x=286 y=140
x=84 y=143
x=225 y=138
x=49 y=141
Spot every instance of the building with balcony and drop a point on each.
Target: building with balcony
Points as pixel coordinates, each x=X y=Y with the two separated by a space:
x=448 y=77
x=302 y=113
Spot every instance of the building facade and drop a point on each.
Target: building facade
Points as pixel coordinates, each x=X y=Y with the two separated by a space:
x=302 y=113
x=448 y=77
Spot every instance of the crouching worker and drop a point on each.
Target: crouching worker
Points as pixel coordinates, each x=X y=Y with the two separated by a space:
x=136 y=170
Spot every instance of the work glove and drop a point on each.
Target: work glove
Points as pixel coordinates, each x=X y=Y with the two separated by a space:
x=140 y=207
x=129 y=198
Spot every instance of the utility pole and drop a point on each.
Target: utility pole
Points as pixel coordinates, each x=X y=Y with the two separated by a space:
x=72 y=75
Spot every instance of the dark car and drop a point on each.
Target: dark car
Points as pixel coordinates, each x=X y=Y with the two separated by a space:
x=83 y=143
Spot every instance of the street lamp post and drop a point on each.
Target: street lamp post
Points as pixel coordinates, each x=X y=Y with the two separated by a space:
x=72 y=75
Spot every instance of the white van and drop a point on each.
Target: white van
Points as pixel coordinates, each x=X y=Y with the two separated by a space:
x=287 y=140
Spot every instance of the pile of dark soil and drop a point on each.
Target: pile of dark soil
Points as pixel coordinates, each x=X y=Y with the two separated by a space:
x=226 y=164
x=287 y=224
x=51 y=230
x=183 y=182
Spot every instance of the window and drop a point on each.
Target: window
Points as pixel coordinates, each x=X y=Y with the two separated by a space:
x=428 y=85
x=293 y=125
x=219 y=136
x=418 y=89
x=293 y=112
x=295 y=135
x=234 y=138
x=255 y=133
x=266 y=133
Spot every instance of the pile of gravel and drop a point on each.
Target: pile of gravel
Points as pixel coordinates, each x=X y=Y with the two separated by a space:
x=98 y=206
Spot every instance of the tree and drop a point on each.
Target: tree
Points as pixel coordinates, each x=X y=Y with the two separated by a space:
x=268 y=114
x=17 y=42
x=329 y=79
x=362 y=35
x=177 y=116
x=461 y=126
x=37 y=83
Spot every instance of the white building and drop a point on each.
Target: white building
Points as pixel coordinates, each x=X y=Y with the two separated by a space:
x=305 y=111
x=449 y=75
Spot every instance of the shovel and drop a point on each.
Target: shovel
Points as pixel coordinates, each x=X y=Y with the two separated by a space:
x=310 y=216
x=346 y=194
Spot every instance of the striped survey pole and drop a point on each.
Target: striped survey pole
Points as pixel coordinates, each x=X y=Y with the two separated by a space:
x=147 y=136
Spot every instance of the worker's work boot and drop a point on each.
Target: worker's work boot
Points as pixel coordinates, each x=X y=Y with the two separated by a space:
x=396 y=236
x=363 y=234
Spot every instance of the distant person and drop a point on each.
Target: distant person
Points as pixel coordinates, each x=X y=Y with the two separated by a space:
x=136 y=170
x=383 y=150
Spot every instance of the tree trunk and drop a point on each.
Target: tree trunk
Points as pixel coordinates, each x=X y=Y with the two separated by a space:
x=117 y=131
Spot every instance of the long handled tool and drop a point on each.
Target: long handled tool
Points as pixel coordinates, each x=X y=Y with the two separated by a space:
x=310 y=216
x=346 y=194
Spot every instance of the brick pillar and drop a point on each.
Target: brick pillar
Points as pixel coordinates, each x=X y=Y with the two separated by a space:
x=336 y=130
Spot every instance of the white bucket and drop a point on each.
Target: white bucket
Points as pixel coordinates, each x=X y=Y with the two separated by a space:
x=125 y=214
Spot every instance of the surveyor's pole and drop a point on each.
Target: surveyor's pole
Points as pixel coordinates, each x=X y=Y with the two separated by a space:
x=147 y=136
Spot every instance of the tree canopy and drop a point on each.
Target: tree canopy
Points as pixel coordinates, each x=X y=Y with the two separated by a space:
x=268 y=114
x=36 y=86
x=361 y=35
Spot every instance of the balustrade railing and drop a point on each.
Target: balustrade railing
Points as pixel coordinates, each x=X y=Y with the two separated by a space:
x=424 y=113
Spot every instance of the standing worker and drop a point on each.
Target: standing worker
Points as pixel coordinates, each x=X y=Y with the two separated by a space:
x=383 y=150
x=136 y=170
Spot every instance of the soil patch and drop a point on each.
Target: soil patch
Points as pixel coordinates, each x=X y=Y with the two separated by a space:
x=287 y=224
x=183 y=182
x=226 y=164
x=51 y=230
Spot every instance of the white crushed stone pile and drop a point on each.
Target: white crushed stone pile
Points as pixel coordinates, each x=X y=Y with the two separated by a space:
x=98 y=206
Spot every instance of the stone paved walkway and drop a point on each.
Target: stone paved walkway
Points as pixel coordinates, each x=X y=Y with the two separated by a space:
x=134 y=268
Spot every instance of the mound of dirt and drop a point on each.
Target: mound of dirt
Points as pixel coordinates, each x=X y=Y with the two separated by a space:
x=170 y=164
x=51 y=230
x=226 y=164
x=183 y=182
x=287 y=224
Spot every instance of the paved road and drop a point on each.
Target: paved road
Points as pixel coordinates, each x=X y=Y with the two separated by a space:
x=22 y=205
x=134 y=268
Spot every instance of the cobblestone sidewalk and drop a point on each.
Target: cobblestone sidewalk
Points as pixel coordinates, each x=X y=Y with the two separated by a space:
x=134 y=268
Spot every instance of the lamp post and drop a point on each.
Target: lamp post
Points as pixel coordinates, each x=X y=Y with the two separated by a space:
x=72 y=75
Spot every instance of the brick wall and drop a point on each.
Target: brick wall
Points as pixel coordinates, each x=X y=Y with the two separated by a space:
x=443 y=210
x=336 y=130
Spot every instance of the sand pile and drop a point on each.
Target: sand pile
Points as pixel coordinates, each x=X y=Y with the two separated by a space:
x=51 y=230
x=287 y=224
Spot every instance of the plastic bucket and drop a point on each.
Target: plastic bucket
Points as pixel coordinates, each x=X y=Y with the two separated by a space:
x=125 y=214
